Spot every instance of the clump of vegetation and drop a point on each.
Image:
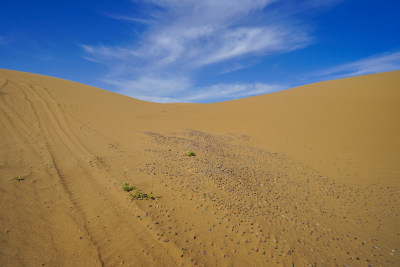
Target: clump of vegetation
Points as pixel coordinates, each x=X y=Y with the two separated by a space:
x=16 y=178
x=138 y=194
x=141 y=195
x=127 y=188
x=190 y=153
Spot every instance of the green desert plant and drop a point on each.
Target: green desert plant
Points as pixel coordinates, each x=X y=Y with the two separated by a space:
x=141 y=195
x=127 y=188
x=190 y=153
x=16 y=178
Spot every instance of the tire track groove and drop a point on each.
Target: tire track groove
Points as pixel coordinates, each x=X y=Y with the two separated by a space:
x=107 y=223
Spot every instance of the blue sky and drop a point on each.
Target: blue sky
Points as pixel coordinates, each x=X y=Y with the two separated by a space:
x=199 y=50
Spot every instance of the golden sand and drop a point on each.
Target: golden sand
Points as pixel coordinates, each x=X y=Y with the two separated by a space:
x=307 y=176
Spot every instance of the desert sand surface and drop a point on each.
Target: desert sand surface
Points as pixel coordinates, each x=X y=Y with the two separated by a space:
x=303 y=177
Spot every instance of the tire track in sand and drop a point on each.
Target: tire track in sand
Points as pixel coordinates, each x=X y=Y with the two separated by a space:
x=108 y=224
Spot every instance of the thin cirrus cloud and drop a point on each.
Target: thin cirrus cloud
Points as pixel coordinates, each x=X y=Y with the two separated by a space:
x=217 y=92
x=375 y=64
x=233 y=91
x=185 y=36
x=128 y=18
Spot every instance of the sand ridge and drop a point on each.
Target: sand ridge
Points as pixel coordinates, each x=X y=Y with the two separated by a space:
x=280 y=179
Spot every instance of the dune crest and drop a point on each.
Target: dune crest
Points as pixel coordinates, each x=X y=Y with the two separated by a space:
x=304 y=176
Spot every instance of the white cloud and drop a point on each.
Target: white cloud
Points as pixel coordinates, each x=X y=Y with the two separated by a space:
x=168 y=90
x=129 y=19
x=185 y=36
x=154 y=85
x=375 y=64
x=246 y=41
x=232 y=91
x=192 y=34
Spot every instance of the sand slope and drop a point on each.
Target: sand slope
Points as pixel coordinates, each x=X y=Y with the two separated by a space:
x=305 y=176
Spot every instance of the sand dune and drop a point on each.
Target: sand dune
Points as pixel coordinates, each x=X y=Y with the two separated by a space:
x=307 y=176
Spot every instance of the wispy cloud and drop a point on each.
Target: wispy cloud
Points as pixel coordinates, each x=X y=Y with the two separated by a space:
x=232 y=91
x=128 y=18
x=185 y=36
x=375 y=64
x=150 y=85
x=175 y=90
x=192 y=34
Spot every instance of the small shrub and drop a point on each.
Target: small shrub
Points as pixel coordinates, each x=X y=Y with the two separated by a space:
x=190 y=154
x=141 y=195
x=127 y=188
x=16 y=178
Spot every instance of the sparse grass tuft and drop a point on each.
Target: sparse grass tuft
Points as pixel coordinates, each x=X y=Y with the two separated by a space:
x=141 y=195
x=138 y=194
x=190 y=154
x=16 y=178
x=127 y=188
